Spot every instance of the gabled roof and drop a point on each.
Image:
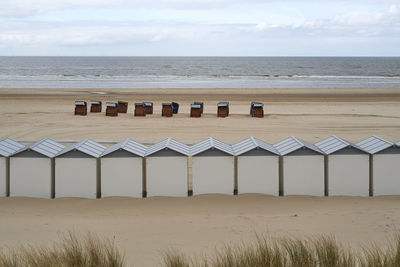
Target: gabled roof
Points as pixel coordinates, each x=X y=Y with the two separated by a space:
x=170 y=144
x=128 y=145
x=46 y=147
x=8 y=147
x=210 y=143
x=250 y=144
x=292 y=144
x=86 y=146
x=333 y=144
x=374 y=144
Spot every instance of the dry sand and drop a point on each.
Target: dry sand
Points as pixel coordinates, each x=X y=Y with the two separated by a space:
x=143 y=228
x=311 y=114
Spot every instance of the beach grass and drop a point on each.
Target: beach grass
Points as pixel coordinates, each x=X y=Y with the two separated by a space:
x=72 y=250
x=323 y=251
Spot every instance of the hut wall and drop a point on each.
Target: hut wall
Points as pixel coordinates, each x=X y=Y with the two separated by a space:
x=167 y=111
x=149 y=109
x=30 y=177
x=80 y=110
x=303 y=175
x=258 y=174
x=112 y=111
x=223 y=112
x=140 y=111
x=122 y=108
x=76 y=177
x=121 y=177
x=95 y=108
x=167 y=176
x=195 y=112
x=213 y=175
x=258 y=112
x=2 y=177
x=348 y=175
x=386 y=175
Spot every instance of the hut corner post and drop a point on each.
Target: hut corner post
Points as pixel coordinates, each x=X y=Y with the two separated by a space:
x=281 y=193
x=371 y=175
x=326 y=175
x=235 y=174
x=190 y=177
x=144 y=178
x=53 y=178
x=98 y=178
x=7 y=177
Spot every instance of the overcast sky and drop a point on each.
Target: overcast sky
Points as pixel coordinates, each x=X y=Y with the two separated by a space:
x=200 y=27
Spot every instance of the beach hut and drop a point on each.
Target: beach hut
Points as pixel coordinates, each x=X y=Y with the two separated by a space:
x=257 y=110
x=121 y=169
x=149 y=107
x=95 y=106
x=167 y=169
x=7 y=148
x=175 y=107
x=212 y=167
x=122 y=107
x=257 y=166
x=195 y=110
x=384 y=165
x=140 y=109
x=32 y=169
x=223 y=109
x=201 y=106
x=301 y=168
x=77 y=170
x=346 y=168
x=167 y=110
x=81 y=108
x=111 y=109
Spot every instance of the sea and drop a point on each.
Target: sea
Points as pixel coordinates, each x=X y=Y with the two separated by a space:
x=199 y=72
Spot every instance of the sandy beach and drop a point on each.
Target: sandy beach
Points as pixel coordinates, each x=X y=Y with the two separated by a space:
x=143 y=228
x=311 y=114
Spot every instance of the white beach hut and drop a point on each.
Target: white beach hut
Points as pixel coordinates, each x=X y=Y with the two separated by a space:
x=167 y=169
x=122 y=169
x=346 y=168
x=7 y=148
x=257 y=166
x=384 y=166
x=77 y=170
x=212 y=167
x=32 y=169
x=301 y=168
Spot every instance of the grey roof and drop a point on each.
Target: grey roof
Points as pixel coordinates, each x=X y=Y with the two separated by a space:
x=292 y=144
x=258 y=105
x=128 y=145
x=46 y=147
x=148 y=103
x=223 y=104
x=333 y=144
x=168 y=144
x=374 y=144
x=8 y=147
x=86 y=146
x=195 y=106
x=109 y=104
x=95 y=102
x=250 y=144
x=122 y=102
x=80 y=103
x=210 y=143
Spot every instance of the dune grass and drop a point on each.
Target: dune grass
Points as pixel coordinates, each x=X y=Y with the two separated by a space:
x=323 y=251
x=71 y=251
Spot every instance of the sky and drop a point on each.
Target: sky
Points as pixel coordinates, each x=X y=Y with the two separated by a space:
x=199 y=28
